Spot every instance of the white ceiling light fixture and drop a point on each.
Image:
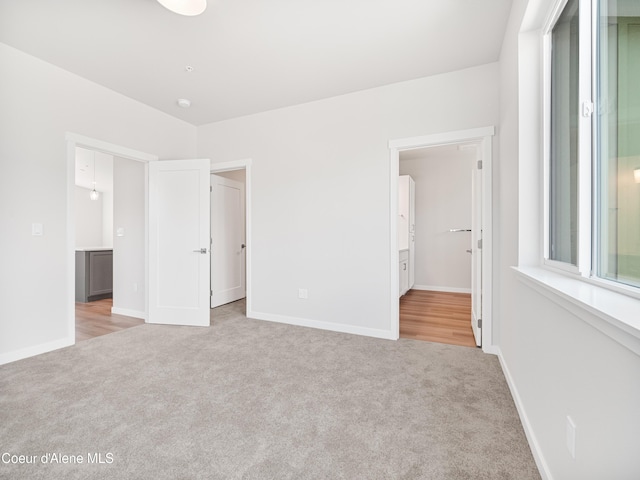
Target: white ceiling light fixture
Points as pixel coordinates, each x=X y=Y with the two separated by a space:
x=636 y=175
x=94 y=195
x=184 y=103
x=189 y=8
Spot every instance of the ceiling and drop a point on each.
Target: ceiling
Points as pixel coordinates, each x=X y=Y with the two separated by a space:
x=250 y=56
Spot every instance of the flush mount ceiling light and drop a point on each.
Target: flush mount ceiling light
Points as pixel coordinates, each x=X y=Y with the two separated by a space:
x=184 y=103
x=185 y=7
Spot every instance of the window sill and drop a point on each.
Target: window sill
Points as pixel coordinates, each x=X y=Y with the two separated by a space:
x=614 y=314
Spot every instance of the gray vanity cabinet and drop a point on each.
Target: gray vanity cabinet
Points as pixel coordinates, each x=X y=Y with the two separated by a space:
x=94 y=275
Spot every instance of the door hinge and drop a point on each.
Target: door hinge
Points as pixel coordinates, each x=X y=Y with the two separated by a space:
x=211 y=188
x=480 y=243
x=479 y=323
x=211 y=293
x=479 y=164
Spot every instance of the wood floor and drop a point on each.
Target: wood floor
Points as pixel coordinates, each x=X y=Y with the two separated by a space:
x=424 y=315
x=437 y=317
x=95 y=318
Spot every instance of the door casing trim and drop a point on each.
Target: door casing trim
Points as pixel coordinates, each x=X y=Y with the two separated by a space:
x=483 y=136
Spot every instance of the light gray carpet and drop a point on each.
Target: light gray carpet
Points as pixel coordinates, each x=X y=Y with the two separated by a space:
x=248 y=399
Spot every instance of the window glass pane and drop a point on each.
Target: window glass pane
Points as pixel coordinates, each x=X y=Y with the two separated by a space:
x=618 y=141
x=563 y=168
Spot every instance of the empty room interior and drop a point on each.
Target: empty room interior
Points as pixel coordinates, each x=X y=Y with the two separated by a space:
x=393 y=239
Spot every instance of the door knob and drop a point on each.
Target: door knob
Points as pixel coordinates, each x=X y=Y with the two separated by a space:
x=243 y=246
x=469 y=251
x=202 y=251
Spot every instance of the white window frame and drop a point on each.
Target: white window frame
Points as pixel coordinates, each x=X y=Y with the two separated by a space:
x=610 y=309
x=587 y=239
x=585 y=142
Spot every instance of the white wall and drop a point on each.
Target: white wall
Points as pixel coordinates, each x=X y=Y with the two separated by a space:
x=88 y=219
x=40 y=103
x=107 y=219
x=320 y=184
x=129 y=195
x=558 y=364
x=443 y=202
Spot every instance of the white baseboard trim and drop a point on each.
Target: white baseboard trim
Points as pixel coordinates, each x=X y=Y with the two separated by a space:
x=543 y=468
x=333 y=327
x=435 y=288
x=35 y=350
x=129 y=313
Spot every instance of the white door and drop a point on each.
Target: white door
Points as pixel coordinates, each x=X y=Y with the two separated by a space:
x=228 y=275
x=179 y=242
x=476 y=252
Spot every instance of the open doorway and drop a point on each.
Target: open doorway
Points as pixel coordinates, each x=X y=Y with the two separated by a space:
x=435 y=240
x=481 y=232
x=107 y=266
x=109 y=249
x=230 y=238
x=228 y=244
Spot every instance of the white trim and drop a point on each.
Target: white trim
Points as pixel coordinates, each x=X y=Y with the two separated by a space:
x=433 y=288
x=484 y=135
x=534 y=444
x=109 y=148
x=129 y=313
x=329 y=326
x=585 y=95
x=439 y=139
x=74 y=140
x=246 y=165
x=35 y=350
x=394 y=299
x=614 y=314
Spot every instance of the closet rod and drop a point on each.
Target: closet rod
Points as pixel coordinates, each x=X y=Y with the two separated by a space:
x=453 y=230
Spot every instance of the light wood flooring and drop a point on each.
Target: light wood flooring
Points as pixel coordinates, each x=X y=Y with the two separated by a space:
x=424 y=315
x=95 y=318
x=437 y=317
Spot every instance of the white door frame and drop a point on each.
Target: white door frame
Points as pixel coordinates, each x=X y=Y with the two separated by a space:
x=74 y=140
x=484 y=137
x=245 y=165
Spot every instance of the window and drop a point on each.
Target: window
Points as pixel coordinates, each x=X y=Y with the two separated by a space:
x=563 y=171
x=593 y=169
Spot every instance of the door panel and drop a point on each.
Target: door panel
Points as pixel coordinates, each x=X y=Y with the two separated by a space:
x=178 y=242
x=476 y=252
x=227 y=241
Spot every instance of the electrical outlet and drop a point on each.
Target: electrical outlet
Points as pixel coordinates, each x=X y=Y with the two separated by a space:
x=303 y=293
x=571 y=437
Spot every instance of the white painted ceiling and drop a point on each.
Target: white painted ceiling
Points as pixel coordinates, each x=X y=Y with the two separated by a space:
x=250 y=56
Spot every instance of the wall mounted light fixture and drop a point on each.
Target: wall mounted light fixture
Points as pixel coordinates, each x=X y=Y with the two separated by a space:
x=636 y=175
x=185 y=7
